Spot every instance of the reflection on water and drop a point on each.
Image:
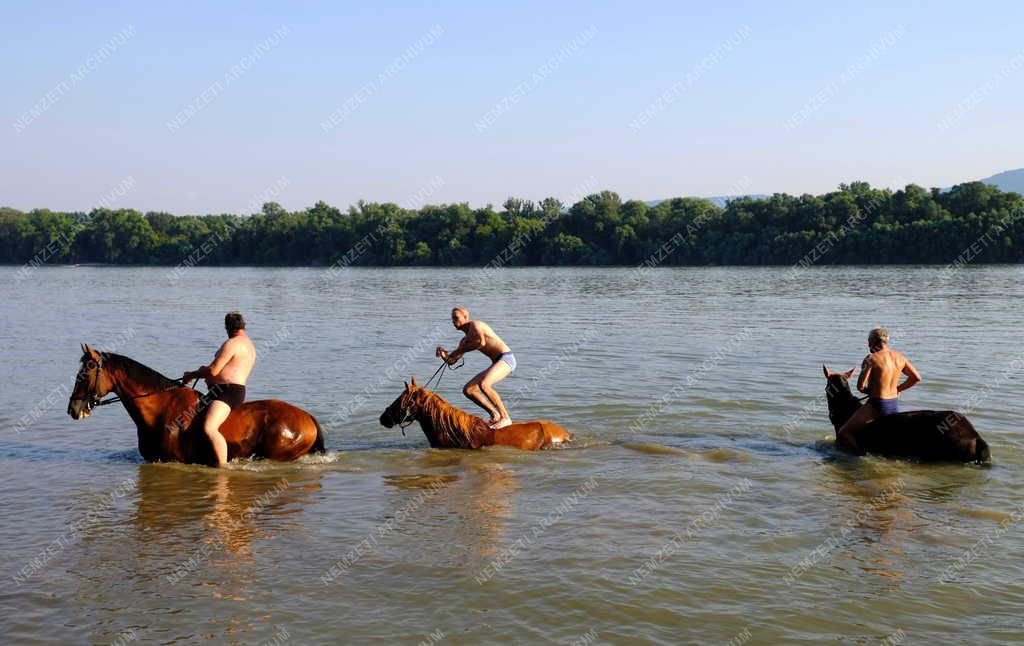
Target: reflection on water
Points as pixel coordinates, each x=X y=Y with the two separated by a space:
x=218 y=506
x=483 y=507
x=189 y=537
x=465 y=515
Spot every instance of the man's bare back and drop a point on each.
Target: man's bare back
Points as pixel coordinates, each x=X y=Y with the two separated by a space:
x=880 y=373
x=492 y=346
x=235 y=358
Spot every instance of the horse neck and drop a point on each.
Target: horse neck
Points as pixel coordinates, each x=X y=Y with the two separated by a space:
x=841 y=407
x=132 y=379
x=446 y=424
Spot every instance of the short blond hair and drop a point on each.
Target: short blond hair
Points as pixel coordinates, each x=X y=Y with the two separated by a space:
x=878 y=336
x=461 y=310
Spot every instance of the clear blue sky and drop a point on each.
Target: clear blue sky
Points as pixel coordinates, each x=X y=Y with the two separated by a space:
x=926 y=92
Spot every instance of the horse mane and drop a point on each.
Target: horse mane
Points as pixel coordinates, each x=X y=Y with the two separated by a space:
x=458 y=427
x=141 y=373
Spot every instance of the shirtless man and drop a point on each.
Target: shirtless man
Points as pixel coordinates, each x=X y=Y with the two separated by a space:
x=880 y=380
x=225 y=378
x=480 y=389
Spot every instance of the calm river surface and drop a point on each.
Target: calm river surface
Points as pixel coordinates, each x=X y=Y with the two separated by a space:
x=702 y=501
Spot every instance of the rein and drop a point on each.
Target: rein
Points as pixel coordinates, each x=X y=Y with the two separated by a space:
x=440 y=372
x=407 y=416
x=117 y=398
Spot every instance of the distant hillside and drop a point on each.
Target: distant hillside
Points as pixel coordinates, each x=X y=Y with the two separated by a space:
x=1010 y=180
x=718 y=200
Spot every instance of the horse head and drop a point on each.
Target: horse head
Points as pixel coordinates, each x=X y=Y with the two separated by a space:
x=405 y=407
x=91 y=384
x=842 y=403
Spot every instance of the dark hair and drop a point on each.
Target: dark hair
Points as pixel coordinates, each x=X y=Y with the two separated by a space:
x=233 y=322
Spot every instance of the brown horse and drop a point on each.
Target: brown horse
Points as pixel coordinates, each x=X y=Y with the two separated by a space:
x=163 y=411
x=447 y=427
x=929 y=435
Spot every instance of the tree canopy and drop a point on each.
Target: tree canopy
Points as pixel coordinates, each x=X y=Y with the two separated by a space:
x=854 y=224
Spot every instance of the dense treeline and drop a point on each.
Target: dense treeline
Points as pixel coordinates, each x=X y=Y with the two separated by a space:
x=853 y=224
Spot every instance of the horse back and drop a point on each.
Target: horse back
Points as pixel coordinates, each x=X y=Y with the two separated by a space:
x=532 y=435
x=927 y=435
x=269 y=428
x=528 y=436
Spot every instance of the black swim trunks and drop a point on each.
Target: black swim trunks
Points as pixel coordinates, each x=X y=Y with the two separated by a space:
x=231 y=394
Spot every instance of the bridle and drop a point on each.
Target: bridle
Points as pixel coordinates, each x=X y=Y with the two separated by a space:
x=407 y=415
x=94 y=400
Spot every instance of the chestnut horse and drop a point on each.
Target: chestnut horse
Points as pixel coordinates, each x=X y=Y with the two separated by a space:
x=447 y=427
x=930 y=435
x=163 y=411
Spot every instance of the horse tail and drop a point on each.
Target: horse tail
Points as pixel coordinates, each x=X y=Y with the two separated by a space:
x=318 y=444
x=981 y=452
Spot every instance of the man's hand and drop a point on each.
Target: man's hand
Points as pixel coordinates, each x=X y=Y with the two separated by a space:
x=913 y=377
x=441 y=353
x=193 y=375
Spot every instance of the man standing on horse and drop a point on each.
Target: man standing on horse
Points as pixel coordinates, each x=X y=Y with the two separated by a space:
x=225 y=378
x=480 y=389
x=880 y=380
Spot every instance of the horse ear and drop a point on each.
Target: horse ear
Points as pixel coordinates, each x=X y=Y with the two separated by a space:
x=828 y=373
x=82 y=345
x=406 y=386
x=849 y=373
x=413 y=380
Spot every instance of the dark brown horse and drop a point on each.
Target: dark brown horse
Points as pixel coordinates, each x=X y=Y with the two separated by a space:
x=928 y=435
x=169 y=418
x=447 y=427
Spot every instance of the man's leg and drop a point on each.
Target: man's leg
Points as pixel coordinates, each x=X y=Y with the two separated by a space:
x=498 y=371
x=217 y=412
x=476 y=395
x=847 y=434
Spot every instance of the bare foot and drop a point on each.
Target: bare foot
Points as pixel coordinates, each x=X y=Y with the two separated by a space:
x=502 y=423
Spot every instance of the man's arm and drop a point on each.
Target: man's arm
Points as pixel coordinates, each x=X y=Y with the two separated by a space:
x=472 y=341
x=913 y=377
x=865 y=373
x=223 y=356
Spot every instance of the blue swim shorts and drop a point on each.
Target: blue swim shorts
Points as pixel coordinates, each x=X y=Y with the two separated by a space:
x=508 y=358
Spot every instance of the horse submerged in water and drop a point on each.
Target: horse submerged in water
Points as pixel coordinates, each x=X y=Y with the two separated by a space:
x=164 y=410
x=927 y=435
x=447 y=427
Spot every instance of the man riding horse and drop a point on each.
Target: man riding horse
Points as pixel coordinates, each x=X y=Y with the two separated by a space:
x=225 y=378
x=880 y=380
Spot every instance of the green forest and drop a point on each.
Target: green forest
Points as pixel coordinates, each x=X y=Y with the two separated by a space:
x=854 y=224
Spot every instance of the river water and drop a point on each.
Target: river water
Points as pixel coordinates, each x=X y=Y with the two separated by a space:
x=702 y=501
